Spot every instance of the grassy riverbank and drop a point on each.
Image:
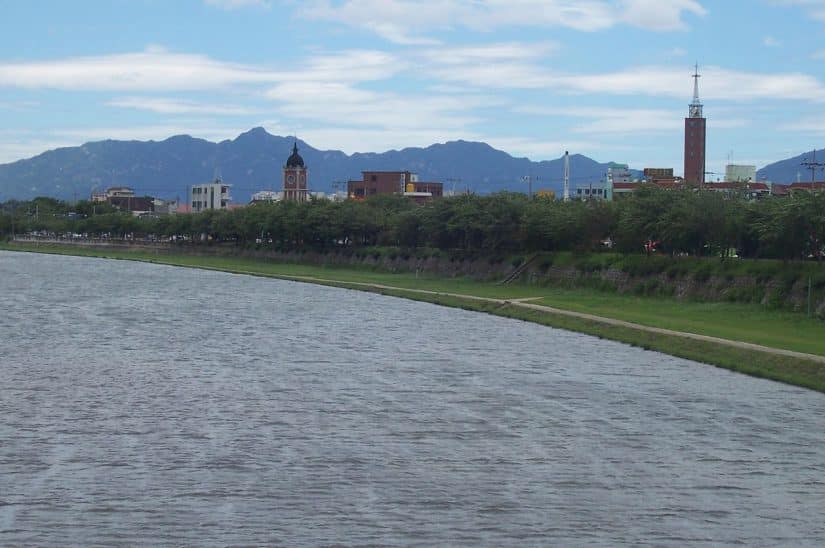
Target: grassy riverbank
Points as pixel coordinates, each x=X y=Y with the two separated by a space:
x=739 y=322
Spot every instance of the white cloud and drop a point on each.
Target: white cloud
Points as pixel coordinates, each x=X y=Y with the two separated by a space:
x=236 y=4
x=349 y=66
x=508 y=52
x=156 y=69
x=814 y=8
x=659 y=15
x=18 y=105
x=415 y=21
x=175 y=106
x=506 y=75
x=328 y=91
x=771 y=42
x=490 y=66
x=717 y=83
x=342 y=104
x=390 y=19
x=615 y=120
x=812 y=126
x=153 y=69
x=18 y=149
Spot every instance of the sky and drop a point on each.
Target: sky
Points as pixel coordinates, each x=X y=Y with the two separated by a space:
x=610 y=79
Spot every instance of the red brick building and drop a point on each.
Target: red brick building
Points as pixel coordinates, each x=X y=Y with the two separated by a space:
x=815 y=186
x=393 y=182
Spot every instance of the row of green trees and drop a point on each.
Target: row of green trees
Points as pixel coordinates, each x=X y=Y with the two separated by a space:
x=675 y=222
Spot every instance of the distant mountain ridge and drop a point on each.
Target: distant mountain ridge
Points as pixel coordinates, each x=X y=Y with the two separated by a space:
x=788 y=171
x=253 y=162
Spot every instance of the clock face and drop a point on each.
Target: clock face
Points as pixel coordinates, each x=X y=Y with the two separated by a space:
x=303 y=178
x=290 y=178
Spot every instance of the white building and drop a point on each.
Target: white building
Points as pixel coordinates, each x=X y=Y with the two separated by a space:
x=619 y=173
x=214 y=195
x=592 y=192
x=113 y=192
x=739 y=173
x=267 y=196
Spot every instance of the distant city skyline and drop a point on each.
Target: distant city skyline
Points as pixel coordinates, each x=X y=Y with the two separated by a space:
x=607 y=79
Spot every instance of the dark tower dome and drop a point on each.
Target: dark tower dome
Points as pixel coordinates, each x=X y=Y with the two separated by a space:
x=295 y=159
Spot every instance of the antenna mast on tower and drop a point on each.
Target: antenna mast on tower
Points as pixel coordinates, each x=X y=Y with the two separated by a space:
x=695 y=110
x=566 y=195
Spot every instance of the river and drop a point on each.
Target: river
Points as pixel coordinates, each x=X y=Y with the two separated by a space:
x=150 y=405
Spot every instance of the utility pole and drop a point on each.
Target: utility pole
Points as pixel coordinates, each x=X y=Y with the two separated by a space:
x=529 y=180
x=813 y=165
x=566 y=195
x=337 y=185
x=453 y=181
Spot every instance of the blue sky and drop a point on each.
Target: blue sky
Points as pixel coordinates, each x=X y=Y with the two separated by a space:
x=610 y=79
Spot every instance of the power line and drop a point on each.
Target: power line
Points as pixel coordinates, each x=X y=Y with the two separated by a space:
x=813 y=165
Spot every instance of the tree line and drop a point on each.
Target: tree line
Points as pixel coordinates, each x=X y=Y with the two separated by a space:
x=669 y=221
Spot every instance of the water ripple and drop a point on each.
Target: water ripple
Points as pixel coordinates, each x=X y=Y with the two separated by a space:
x=148 y=405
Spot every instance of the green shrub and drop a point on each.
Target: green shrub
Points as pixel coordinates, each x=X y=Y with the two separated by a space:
x=818 y=280
x=776 y=298
x=788 y=278
x=667 y=290
x=703 y=273
x=590 y=264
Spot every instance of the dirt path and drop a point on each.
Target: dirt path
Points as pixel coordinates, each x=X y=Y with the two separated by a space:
x=583 y=315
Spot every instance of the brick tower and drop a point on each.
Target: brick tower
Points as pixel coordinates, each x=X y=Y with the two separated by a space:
x=695 y=138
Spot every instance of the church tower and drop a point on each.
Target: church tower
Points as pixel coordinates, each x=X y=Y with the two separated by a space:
x=695 y=138
x=296 y=177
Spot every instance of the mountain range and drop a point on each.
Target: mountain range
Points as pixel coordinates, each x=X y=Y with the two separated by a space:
x=253 y=162
x=792 y=169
